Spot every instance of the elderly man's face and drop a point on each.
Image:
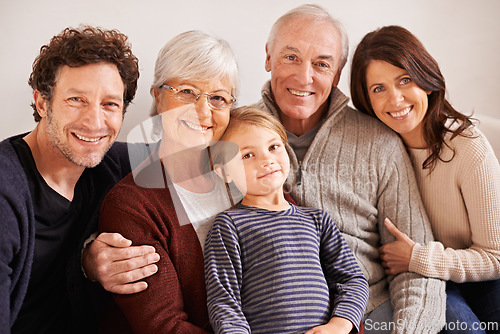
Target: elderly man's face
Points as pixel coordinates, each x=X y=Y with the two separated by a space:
x=304 y=65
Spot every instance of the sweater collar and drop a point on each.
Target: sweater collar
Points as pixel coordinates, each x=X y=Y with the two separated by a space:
x=336 y=104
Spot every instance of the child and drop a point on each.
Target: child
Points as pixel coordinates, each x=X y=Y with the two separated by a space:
x=271 y=266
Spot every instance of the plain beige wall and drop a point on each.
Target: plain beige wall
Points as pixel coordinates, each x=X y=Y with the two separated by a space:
x=463 y=36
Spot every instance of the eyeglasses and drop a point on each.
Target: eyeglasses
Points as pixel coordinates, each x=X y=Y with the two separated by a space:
x=188 y=95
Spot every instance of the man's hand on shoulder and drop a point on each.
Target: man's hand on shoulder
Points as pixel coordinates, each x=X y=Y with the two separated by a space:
x=116 y=265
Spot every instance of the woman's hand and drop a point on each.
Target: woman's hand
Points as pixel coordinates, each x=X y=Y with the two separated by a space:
x=396 y=255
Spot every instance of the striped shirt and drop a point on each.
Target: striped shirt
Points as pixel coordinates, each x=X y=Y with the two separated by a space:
x=280 y=272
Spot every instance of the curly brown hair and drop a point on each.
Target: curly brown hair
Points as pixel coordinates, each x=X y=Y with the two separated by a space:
x=79 y=47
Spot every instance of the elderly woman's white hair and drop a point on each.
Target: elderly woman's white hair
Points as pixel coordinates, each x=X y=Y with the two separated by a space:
x=317 y=13
x=198 y=56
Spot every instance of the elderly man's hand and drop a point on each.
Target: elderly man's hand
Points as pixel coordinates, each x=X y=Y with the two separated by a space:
x=396 y=255
x=112 y=261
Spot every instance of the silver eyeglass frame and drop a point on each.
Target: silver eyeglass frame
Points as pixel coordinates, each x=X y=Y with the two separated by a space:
x=175 y=90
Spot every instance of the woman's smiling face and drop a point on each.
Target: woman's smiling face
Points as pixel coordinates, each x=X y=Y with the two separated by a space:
x=397 y=101
x=192 y=124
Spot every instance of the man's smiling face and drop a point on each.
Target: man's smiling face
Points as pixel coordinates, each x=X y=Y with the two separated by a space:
x=86 y=112
x=304 y=61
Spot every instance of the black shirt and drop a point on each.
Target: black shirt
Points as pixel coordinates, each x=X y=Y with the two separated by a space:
x=58 y=226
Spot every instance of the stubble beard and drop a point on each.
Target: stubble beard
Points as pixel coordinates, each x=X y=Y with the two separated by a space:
x=56 y=135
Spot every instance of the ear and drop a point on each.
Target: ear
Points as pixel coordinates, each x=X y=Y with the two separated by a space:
x=268 y=59
x=41 y=103
x=219 y=170
x=156 y=95
x=336 y=79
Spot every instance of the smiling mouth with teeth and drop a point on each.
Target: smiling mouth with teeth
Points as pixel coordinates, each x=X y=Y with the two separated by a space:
x=401 y=113
x=299 y=93
x=87 y=139
x=195 y=126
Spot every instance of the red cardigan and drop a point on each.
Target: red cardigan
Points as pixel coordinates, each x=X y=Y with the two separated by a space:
x=175 y=300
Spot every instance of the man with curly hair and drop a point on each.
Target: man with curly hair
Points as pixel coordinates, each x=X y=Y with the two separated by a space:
x=53 y=179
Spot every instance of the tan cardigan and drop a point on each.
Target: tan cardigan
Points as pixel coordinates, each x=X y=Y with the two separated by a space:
x=462 y=199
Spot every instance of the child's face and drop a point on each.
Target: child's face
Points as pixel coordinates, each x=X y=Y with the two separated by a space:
x=264 y=157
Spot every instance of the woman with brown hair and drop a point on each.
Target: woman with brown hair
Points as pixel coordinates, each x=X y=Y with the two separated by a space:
x=395 y=79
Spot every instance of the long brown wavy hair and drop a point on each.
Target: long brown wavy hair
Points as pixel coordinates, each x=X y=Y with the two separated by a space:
x=399 y=47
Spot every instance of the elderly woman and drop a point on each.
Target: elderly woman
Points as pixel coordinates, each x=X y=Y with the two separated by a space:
x=170 y=200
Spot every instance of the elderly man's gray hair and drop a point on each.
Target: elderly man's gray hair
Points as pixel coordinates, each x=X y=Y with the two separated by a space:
x=317 y=13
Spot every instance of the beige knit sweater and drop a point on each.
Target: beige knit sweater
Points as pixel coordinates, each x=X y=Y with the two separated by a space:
x=357 y=170
x=462 y=199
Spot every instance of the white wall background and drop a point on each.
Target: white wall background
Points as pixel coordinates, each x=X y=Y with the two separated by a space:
x=462 y=35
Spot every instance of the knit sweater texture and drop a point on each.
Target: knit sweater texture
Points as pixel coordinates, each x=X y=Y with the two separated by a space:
x=280 y=272
x=357 y=170
x=17 y=237
x=142 y=209
x=462 y=198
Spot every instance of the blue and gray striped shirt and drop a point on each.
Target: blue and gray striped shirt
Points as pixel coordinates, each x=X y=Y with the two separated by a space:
x=280 y=272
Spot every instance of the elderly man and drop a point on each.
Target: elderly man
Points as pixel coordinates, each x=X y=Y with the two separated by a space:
x=53 y=179
x=349 y=165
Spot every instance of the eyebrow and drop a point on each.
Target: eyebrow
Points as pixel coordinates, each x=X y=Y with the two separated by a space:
x=290 y=48
x=250 y=147
x=294 y=49
x=77 y=91
x=326 y=57
x=396 y=78
x=215 y=91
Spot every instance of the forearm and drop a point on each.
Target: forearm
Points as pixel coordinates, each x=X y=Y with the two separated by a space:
x=224 y=310
x=347 y=284
x=84 y=257
x=470 y=223
x=419 y=304
x=5 y=312
x=16 y=256
x=458 y=265
x=145 y=314
x=231 y=325
x=349 y=290
x=161 y=308
x=351 y=304
x=224 y=305
x=223 y=277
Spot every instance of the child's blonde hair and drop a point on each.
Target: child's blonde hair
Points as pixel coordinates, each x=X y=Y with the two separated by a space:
x=223 y=151
x=250 y=115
